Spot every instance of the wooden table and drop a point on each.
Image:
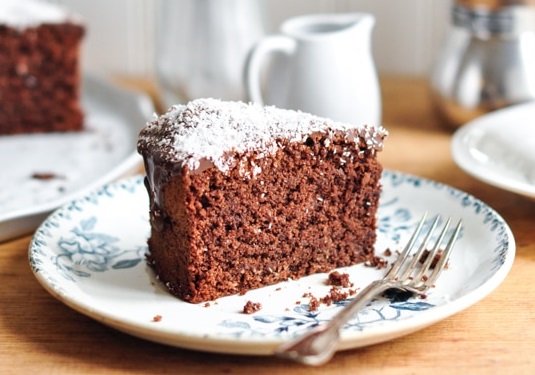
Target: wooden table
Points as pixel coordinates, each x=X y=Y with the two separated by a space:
x=39 y=334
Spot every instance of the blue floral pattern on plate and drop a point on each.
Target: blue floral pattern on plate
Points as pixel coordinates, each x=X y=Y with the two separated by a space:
x=90 y=254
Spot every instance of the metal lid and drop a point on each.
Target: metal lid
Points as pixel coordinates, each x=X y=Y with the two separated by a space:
x=492 y=5
x=507 y=18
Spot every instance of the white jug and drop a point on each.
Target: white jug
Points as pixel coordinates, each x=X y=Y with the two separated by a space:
x=322 y=64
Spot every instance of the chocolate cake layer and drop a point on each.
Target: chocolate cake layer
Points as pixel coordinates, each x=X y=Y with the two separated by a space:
x=285 y=206
x=39 y=71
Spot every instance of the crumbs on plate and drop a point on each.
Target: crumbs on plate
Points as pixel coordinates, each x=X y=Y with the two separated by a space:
x=46 y=176
x=342 y=288
x=251 y=307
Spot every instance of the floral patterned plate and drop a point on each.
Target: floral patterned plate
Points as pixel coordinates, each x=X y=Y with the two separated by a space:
x=89 y=254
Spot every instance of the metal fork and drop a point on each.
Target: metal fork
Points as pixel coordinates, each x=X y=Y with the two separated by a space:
x=409 y=273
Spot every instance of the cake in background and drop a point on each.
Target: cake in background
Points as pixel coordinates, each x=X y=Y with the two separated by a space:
x=243 y=196
x=40 y=74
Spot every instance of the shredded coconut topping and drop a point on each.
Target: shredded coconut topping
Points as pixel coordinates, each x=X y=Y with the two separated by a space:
x=30 y=13
x=204 y=131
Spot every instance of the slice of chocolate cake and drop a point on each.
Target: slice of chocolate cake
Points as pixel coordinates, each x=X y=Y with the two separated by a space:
x=39 y=68
x=243 y=196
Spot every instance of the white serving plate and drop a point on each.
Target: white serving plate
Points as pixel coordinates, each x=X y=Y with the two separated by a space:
x=499 y=148
x=89 y=254
x=82 y=161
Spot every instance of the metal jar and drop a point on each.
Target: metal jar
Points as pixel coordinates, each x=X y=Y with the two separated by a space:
x=487 y=61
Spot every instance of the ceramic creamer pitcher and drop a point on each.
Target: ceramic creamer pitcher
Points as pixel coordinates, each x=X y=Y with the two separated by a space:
x=320 y=63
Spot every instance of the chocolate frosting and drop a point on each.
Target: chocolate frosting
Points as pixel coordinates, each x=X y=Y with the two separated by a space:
x=208 y=132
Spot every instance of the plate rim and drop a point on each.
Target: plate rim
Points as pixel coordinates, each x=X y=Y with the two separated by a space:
x=468 y=164
x=265 y=346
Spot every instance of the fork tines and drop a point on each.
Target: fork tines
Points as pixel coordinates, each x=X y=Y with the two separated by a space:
x=430 y=259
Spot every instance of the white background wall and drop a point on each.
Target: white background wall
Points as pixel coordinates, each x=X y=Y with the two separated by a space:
x=406 y=37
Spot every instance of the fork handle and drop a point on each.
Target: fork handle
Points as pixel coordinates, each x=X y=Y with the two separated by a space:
x=318 y=346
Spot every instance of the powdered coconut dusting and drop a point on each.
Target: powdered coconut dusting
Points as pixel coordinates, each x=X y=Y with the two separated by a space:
x=205 y=130
x=31 y=13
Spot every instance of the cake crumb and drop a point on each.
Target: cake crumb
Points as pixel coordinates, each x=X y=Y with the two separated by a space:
x=341 y=290
x=336 y=295
x=314 y=304
x=376 y=262
x=387 y=252
x=436 y=259
x=339 y=279
x=251 y=307
x=157 y=318
x=207 y=304
x=45 y=176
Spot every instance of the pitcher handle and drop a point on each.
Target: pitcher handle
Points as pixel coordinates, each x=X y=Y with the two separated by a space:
x=255 y=60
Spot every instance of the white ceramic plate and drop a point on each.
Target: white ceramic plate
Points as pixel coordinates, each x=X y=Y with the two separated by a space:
x=90 y=255
x=79 y=162
x=499 y=148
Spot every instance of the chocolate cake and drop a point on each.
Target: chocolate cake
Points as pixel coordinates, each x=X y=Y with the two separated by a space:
x=39 y=68
x=243 y=196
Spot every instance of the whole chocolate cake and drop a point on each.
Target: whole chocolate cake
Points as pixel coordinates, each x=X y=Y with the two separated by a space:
x=243 y=196
x=39 y=68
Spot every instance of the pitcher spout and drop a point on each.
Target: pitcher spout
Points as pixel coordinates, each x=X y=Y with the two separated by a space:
x=365 y=22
